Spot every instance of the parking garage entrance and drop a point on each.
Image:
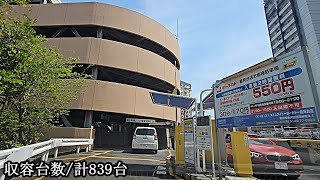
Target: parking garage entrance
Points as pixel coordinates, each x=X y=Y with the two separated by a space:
x=113 y=130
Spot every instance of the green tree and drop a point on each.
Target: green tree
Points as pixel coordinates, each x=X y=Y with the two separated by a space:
x=37 y=83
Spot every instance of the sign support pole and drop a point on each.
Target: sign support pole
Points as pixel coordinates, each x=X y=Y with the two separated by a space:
x=204 y=160
x=171 y=100
x=212 y=149
x=212 y=153
x=205 y=142
x=196 y=151
x=198 y=160
x=218 y=138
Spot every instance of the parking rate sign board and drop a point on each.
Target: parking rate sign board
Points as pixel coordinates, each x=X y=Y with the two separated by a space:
x=189 y=142
x=203 y=133
x=276 y=94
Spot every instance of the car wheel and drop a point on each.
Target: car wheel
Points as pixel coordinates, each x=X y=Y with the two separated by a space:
x=155 y=151
x=133 y=151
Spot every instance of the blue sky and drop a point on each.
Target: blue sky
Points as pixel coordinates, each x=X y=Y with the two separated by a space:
x=217 y=37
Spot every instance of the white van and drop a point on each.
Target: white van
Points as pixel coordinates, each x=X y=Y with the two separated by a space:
x=145 y=138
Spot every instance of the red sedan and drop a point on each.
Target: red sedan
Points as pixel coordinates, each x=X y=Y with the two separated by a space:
x=269 y=158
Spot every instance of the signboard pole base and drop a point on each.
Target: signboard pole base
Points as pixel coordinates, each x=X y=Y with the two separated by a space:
x=204 y=160
x=198 y=161
x=212 y=153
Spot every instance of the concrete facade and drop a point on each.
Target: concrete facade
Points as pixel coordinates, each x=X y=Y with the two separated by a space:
x=127 y=54
x=120 y=98
x=295 y=25
x=185 y=89
x=282 y=26
x=309 y=15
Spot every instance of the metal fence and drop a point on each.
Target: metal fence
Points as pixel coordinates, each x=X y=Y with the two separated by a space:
x=23 y=153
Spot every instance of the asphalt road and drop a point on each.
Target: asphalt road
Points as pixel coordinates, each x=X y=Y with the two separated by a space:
x=311 y=173
x=140 y=165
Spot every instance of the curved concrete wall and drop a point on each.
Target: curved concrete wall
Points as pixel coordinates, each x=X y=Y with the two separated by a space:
x=117 y=55
x=93 y=13
x=109 y=96
x=121 y=98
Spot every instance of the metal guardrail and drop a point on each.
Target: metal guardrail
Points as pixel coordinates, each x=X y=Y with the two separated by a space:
x=23 y=153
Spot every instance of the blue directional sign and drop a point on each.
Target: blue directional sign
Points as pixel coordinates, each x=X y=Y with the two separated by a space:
x=171 y=100
x=159 y=98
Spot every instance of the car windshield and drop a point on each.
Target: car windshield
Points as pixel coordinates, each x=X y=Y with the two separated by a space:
x=260 y=142
x=145 y=132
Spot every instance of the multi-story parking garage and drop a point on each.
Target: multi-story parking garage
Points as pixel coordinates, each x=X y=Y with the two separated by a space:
x=127 y=54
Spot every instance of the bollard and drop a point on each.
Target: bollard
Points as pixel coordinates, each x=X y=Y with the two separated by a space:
x=241 y=154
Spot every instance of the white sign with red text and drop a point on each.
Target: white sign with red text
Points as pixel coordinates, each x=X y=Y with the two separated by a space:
x=277 y=94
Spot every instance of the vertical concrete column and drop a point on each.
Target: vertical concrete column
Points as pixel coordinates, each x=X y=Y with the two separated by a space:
x=88 y=119
x=168 y=138
x=78 y=149
x=99 y=32
x=94 y=72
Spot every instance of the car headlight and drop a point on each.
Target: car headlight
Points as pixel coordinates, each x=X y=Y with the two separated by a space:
x=296 y=157
x=256 y=155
